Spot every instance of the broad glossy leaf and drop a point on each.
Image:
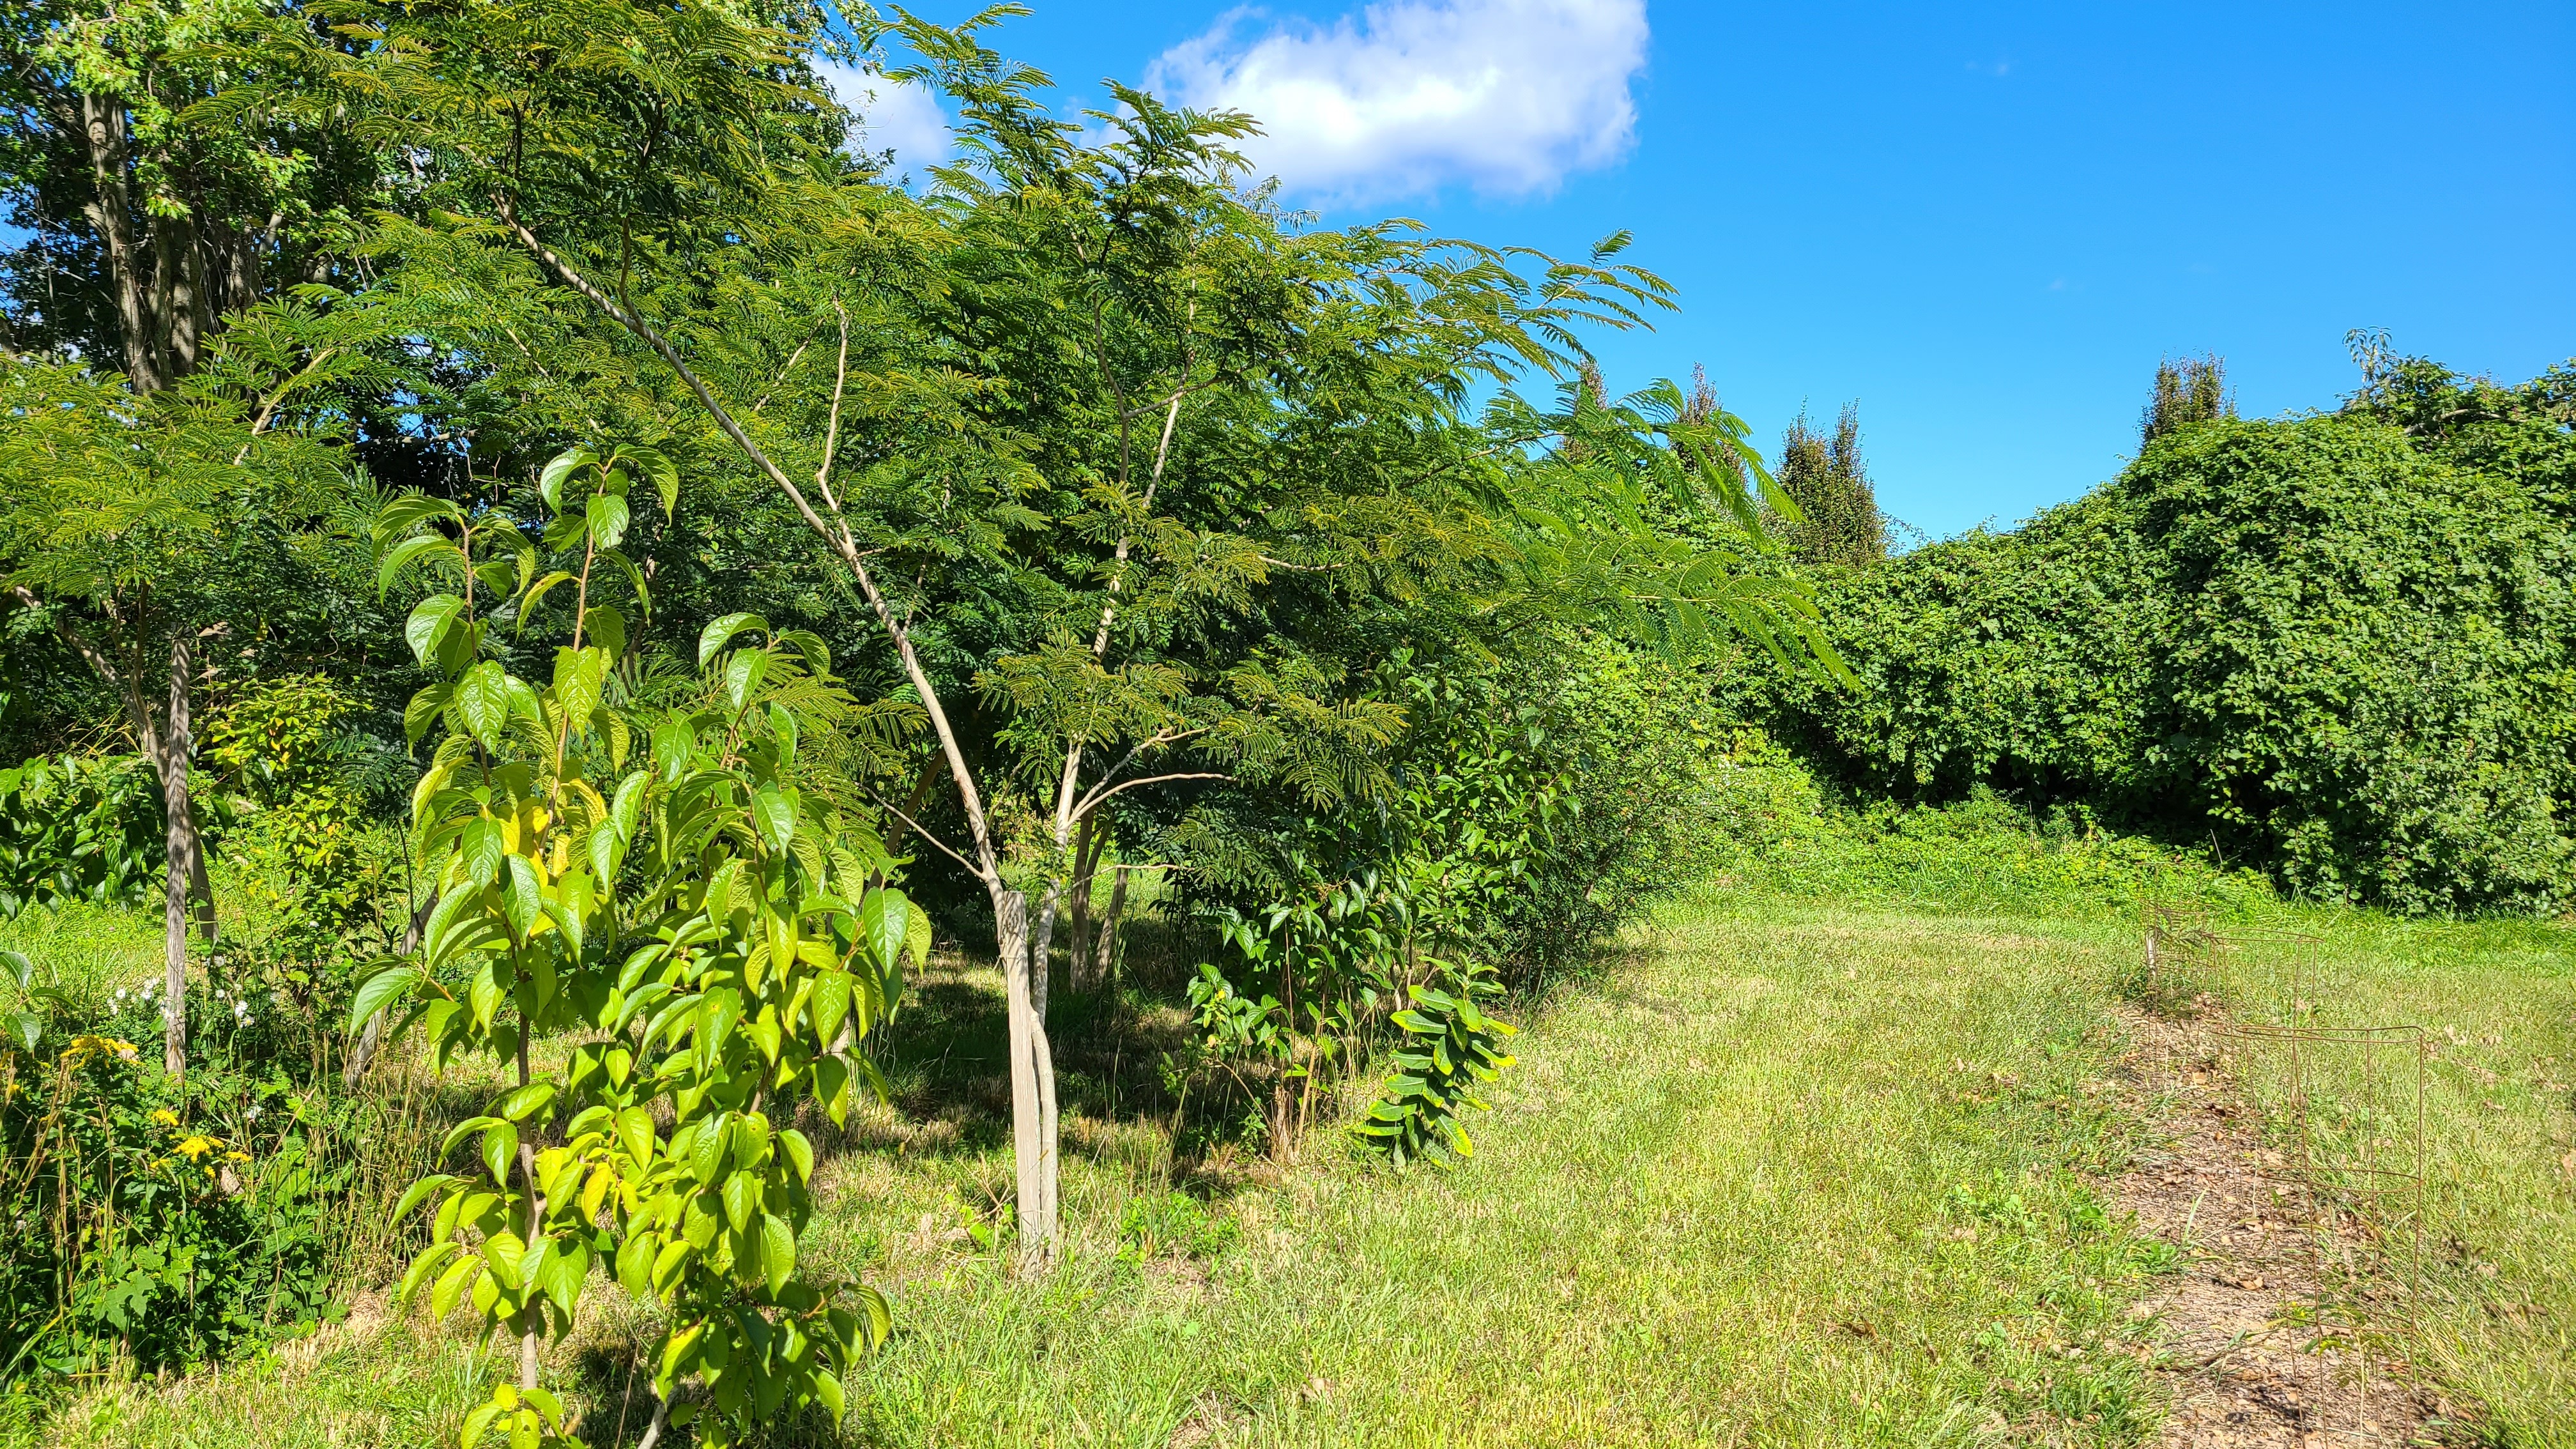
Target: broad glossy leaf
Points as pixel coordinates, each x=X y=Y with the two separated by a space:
x=524 y=1102
x=635 y=1264
x=500 y=1149
x=379 y=991
x=714 y=636
x=635 y=1134
x=885 y=920
x=608 y=518
x=550 y=482
x=774 y=814
x=777 y=1251
x=743 y=674
x=429 y=622
x=483 y=702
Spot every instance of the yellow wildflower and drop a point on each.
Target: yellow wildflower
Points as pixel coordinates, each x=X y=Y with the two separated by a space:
x=165 y=1116
x=198 y=1146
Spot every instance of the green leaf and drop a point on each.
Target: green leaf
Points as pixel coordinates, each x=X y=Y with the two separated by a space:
x=20 y=969
x=423 y=710
x=635 y=1265
x=522 y=899
x=777 y=1252
x=800 y=1152
x=743 y=674
x=450 y=1286
x=483 y=702
x=377 y=991
x=550 y=482
x=500 y=1149
x=707 y=1152
x=830 y=1001
x=715 y=634
x=916 y=944
x=635 y=1134
x=527 y=1100
x=429 y=622
x=774 y=815
x=477 y=1424
x=560 y=1276
x=537 y=591
x=664 y=473
x=608 y=518
x=481 y=846
x=607 y=628
x=885 y=920
x=421 y=1267
x=741 y=1195
x=404 y=554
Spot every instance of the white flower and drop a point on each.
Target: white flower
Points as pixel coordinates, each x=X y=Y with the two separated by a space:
x=219 y=993
x=253 y=1114
x=120 y=996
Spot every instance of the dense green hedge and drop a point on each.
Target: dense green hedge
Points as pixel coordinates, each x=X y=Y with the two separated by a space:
x=2340 y=647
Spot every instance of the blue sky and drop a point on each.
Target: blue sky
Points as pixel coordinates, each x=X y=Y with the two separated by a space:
x=1984 y=224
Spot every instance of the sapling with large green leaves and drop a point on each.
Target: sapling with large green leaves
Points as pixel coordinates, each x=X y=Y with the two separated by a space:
x=721 y=937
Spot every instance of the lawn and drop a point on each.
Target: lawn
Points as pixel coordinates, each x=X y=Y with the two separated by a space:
x=1790 y=1170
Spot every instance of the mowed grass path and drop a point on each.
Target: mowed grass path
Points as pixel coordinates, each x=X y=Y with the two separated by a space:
x=1789 y=1173
x=1790 y=1176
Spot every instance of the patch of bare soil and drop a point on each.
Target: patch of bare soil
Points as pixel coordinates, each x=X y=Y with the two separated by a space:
x=2241 y=1350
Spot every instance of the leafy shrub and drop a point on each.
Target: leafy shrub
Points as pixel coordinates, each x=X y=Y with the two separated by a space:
x=2336 y=647
x=309 y=870
x=79 y=828
x=162 y=1224
x=1538 y=804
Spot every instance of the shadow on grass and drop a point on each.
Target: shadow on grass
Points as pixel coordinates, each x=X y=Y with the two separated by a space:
x=1126 y=1062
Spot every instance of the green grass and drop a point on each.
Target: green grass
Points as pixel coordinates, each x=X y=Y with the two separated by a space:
x=1791 y=1172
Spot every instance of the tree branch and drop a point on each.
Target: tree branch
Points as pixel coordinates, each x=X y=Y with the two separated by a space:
x=840 y=540
x=1098 y=798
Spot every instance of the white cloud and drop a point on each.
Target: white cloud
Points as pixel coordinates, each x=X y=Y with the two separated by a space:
x=1505 y=96
x=893 y=115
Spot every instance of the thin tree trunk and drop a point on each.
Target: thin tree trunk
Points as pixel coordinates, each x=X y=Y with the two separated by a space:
x=1106 y=971
x=528 y=1341
x=1077 y=962
x=1042 y=950
x=170 y=745
x=111 y=212
x=1032 y=1065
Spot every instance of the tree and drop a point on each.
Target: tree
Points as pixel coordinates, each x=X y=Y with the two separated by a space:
x=1108 y=451
x=1840 y=522
x=153 y=211
x=674 y=884
x=2188 y=392
x=151 y=529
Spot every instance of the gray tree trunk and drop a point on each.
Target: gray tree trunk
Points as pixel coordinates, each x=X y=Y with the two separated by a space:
x=1033 y=1118
x=170 y=747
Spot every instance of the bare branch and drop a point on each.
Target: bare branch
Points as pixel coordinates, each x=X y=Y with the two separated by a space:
x=268 y=409
x=1099 y=798
x=832 y=434
x=792 y=359
x=838 y=540
x=918 y=828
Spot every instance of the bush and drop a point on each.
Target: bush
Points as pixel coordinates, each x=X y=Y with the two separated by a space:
x=2335 y=647
x=79 y=828
x=156 y=1224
